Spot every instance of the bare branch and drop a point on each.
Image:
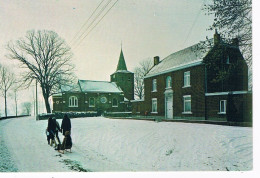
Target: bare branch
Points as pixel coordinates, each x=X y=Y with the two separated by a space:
x=47 y=59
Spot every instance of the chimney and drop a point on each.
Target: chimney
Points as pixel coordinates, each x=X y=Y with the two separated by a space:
x=235 y=42
x=216 y=37
x=156 y=60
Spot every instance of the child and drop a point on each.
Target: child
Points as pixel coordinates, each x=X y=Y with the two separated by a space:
x=48 y=136
x=66 y=144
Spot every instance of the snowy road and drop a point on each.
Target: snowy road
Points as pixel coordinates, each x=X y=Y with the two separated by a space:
x=101 y=144
x=6 y=161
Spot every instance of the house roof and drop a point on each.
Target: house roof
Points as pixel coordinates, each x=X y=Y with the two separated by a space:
x=99 y=86
x=187 y=57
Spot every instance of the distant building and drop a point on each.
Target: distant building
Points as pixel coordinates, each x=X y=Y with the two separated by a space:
x=98 y=96
x=198 y=84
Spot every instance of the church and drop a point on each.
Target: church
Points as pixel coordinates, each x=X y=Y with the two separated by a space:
x=98 y=96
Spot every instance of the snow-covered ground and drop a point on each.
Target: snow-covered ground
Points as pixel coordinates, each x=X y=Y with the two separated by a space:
x=101 y=144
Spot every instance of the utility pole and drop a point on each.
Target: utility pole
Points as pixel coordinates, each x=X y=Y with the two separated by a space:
x=36 y=100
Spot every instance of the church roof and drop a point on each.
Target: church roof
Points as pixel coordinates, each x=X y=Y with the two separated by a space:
x=121 y=63
x=99 y=86
x=121 y=66
x=70 y=88
x=187 y=57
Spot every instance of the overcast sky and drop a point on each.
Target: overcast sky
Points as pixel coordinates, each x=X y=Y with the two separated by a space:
x=146 y=28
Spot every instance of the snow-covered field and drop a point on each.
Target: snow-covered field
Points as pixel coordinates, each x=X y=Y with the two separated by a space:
x=101 y=144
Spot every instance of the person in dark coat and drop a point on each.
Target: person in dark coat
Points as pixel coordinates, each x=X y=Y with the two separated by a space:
x=66 y=144
x=57 y=129
x=51 y=130
x=65 y=125
x=48 y=135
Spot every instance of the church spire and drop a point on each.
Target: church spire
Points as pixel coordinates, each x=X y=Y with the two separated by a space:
x=121 y=63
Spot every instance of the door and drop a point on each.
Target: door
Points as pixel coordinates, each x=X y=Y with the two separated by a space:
x=168 y=107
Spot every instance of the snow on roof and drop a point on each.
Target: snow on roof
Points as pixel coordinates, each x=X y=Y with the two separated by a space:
x=99 y=86
x=57 y=94
x=140 y=100
x=185 y=57
x=70 y=88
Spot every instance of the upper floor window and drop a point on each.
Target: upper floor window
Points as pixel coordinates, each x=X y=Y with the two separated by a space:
x=73 y=101
x=228 y=60
x=91 y=102
x=154 y=85
x=222 y=106
x=168 y=82
x=114 y=102
x=186 y=79
x=187 y=104
x=154 y=105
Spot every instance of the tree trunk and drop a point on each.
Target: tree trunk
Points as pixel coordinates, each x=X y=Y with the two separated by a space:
x=47 y=104
x=5 y=105
x=15 y=98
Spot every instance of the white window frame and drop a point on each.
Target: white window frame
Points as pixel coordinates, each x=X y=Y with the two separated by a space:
x=228 y=61
x=73 y=101
x=91 y=106
x=220 y=106
x=184 y=102
x=168 y=82
x=186 y=79
x=154 y=110
x=116 y=102
x=154 y=85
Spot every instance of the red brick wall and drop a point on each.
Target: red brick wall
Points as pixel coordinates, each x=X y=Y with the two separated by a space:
x=137 y=107
x=196 y=91
x=83 y=107
x=241 y=111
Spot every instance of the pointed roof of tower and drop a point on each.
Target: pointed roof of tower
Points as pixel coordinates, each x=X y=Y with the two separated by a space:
x=121 y=63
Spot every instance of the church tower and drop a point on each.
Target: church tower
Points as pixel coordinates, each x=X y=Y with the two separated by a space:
x=124 y=78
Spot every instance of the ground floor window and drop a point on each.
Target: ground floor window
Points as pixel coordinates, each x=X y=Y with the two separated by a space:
x=187 y=104
x=222 y=106
x=73 y=101
x=154 y=105
x=91 y=102
x=114 y=102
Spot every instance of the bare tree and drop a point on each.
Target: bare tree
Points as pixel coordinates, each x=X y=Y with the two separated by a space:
x=16 y=87
x=46 y=58
x=27 y=107
x=7 y=80
x=140 y=72
x=233 y=19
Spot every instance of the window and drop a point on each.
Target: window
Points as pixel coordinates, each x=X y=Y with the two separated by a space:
x=114 y=102
x=154 y=105
x=92 y=102
x=228 y=59
x=154 y=85
x=186 y=79
x=222 y=106
x=103 y=99
x=73 y=101
x=187 y=104
x=168 y=82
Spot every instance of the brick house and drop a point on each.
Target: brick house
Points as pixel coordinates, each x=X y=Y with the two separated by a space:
x=187 y=84
x=98 y=96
